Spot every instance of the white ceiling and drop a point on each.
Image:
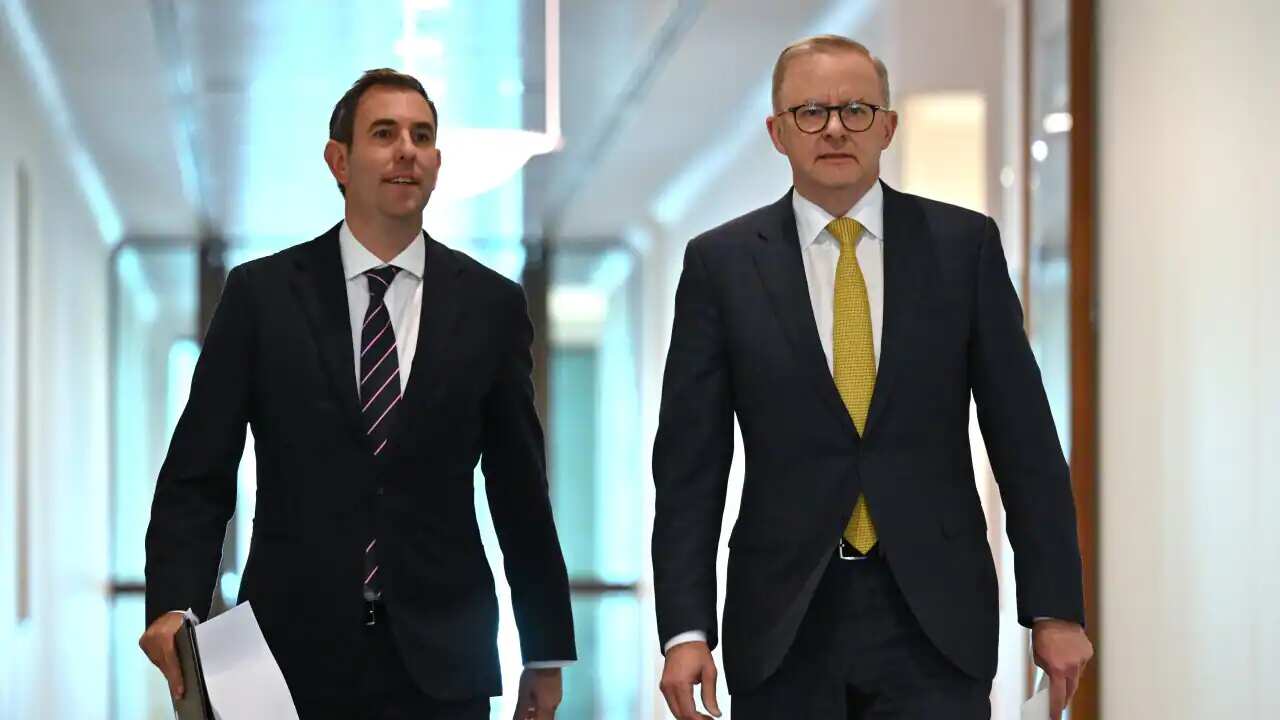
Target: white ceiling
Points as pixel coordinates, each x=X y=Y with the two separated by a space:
x=709 y=91
x=210 y=117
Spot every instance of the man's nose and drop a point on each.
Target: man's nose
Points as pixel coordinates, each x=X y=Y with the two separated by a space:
x=834 y=129
x=404 y=146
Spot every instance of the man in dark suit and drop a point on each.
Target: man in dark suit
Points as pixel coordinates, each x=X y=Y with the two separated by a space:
x=846 y=326
x=376 y=367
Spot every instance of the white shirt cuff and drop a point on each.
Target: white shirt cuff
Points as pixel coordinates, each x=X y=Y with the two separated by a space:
x=684 y=637
x=546 y=664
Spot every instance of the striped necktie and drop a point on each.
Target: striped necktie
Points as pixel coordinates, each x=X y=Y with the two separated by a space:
x=379 y=389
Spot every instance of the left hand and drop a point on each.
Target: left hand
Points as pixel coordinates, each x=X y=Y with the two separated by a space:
x=1061 y=649
x=540 y=693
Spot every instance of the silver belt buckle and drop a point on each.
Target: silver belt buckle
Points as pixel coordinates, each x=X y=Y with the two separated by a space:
x=847 y=551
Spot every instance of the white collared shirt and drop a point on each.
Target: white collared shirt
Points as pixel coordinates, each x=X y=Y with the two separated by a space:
x=820 y=251
x=403 y=299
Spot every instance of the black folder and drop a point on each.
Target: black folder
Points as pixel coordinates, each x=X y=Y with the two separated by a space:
x=194 y=703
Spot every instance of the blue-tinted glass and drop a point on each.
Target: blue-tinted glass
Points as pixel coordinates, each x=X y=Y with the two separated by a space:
x=597 y=466
x=153 y=339
x=605 y=683
x=572 y=455
x=138 y=690
x=1049 y=251
x=597 y=472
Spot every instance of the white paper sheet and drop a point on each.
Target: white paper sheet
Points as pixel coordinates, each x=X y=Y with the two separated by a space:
x=242 y=675
x=1037 y=706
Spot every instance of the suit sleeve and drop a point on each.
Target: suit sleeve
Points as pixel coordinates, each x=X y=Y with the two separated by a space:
x=1023 y=446
x=195 y=492
x=514 y=464
x=691 y=458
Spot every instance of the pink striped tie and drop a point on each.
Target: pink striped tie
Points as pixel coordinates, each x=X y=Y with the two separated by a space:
x=379 y=390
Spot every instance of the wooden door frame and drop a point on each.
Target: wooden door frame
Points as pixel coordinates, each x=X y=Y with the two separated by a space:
x=1083 y=321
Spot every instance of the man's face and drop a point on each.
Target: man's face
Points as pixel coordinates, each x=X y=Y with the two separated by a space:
x=390 y=167
x=834 y=158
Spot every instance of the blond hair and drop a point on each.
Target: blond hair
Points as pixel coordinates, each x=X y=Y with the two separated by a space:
x=826 y=43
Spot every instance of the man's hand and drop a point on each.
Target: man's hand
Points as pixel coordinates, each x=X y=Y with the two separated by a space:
x=1062 y=649
x=689 y=664
x=158 y=643
x=540 y=693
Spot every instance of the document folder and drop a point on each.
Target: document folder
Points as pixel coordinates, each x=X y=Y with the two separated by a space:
x=194 y=703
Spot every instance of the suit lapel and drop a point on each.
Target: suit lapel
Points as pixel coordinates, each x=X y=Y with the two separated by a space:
x=320 y=285
x=437 y=321
x=906 y=260
x=777 y=257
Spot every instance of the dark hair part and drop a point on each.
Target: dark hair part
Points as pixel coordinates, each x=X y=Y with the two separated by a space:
x=343 y=120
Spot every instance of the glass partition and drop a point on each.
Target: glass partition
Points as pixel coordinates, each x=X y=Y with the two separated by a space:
x=153 y=335
x=597 y=470
x=1048 y=256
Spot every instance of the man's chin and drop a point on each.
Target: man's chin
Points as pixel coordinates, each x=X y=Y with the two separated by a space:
x=401 y=211
x=842 y=181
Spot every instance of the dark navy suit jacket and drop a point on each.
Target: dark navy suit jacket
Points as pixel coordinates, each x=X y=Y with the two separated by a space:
x=745 y=343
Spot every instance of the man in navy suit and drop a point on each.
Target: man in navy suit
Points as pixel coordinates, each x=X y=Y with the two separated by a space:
x=846 y=326
x=376 y=368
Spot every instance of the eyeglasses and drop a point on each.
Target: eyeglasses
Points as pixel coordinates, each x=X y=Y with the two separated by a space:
x=811 y=118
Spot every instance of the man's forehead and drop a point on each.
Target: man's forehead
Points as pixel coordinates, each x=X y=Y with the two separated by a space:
x=840 y=76
x=382 y=102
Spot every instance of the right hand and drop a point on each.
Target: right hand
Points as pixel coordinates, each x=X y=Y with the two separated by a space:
x=689 y=664
x=159 y=645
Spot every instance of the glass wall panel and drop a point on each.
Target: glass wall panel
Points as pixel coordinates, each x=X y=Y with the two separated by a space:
x=1048 y=257
x=605 y=683
x=597 y=471
x=153 y=336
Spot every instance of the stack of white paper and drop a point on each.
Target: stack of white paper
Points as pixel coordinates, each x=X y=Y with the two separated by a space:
x=1037 y=707
x=242 y=675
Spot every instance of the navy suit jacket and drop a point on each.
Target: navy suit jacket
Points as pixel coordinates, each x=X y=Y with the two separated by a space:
x=278 y=358
x=745 y=343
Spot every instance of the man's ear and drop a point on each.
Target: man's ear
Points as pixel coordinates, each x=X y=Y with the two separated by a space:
x=335 y=156
x=890 y=128
x=774 y=127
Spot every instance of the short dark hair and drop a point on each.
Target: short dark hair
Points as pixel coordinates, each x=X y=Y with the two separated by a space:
x=343 y=120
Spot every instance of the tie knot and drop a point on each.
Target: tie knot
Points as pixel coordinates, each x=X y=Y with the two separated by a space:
x=846 y=230
x=380 y=279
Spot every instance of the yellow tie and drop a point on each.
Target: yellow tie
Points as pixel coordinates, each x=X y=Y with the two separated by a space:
x=853 y=357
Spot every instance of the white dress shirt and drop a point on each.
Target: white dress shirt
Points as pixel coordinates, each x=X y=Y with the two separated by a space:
x=820 y=251
x=403 y=299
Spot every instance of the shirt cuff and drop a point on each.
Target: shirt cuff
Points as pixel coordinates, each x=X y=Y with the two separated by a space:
x=684 y=637
x=547 y=664
x=1039 y=618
